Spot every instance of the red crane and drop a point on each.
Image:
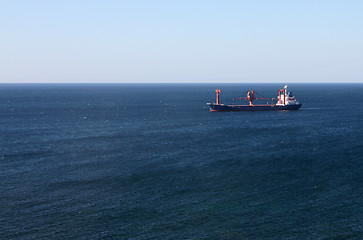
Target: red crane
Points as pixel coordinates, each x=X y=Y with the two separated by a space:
x=218 y=92
x=251 y=96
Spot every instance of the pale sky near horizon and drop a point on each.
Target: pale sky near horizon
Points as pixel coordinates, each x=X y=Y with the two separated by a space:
x=197 y=41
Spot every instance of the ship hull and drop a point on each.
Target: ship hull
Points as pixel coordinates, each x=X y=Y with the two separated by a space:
x=229 y=108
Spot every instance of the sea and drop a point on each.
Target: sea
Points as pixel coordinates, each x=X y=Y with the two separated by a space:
x=150 y=161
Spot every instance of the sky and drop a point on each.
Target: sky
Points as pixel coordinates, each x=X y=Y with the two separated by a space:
x=186 y=41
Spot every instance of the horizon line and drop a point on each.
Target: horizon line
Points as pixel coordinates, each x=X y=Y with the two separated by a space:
x=181 y=82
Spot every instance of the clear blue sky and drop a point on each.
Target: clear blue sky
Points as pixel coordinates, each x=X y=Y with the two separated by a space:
x=181 y=41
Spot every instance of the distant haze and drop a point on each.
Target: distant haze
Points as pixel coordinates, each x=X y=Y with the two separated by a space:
x=187 y=41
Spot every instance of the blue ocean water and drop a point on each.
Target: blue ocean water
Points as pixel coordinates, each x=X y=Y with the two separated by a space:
x=142 y=161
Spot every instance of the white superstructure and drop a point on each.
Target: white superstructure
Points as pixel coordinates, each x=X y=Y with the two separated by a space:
x=286 y=98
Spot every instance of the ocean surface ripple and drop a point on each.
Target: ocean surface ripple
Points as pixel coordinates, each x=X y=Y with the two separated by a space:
x=130 y=161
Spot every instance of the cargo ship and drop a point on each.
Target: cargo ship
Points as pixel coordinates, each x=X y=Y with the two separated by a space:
x=284 y=101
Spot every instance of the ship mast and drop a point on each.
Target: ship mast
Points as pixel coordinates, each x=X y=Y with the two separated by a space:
x=217 y=97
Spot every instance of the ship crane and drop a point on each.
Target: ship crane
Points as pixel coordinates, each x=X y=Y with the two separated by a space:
x=251 y=96
x=217 y=97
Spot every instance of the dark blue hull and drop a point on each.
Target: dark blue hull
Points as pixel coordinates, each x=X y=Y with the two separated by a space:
x=221 y=107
